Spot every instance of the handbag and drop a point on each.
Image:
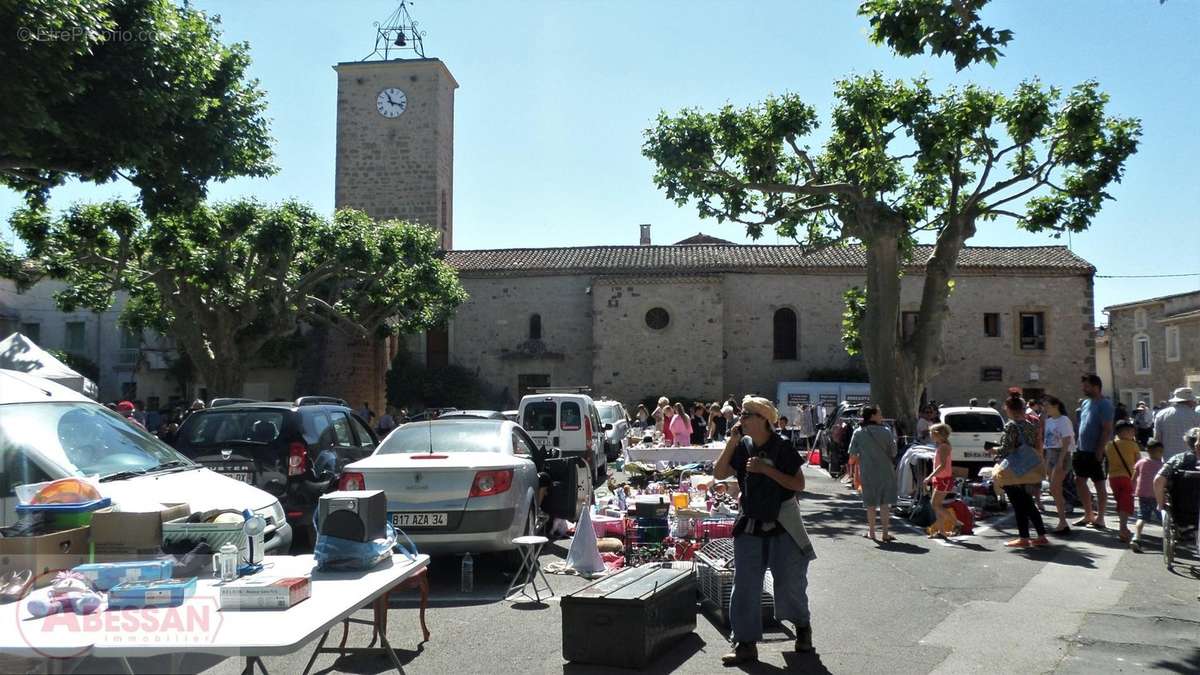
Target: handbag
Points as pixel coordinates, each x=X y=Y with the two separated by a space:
x=1020 y=460
x=922 y=515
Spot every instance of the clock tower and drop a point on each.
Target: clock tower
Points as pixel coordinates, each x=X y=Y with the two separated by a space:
x=395 y=141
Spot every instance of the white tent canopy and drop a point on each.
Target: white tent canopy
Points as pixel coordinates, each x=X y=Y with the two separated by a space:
x=19 y=353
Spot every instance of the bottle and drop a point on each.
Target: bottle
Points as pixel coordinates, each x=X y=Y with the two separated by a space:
x=468 y=574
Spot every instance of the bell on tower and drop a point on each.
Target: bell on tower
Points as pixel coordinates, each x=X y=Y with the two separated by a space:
x=397 y=33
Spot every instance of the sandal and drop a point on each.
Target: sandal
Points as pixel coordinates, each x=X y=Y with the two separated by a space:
x=1017 y=543
x=1063 y=531
x=888 y=537
x=1040 y=541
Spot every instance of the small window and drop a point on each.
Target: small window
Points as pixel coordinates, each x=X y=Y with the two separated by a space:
x=785 y=334
x=33 y=331
x=540 y=416
x=657 y=318
x=1141 y=354
x=991 y=325
x=76 y=338
x=535 y=327
x=364 y=436
x=992 y=375
x=1139 y=318
x=341 y=429
x=974 y=423
x=908 y=324
x=521 y=447
x=572 y=418
x=1033 y=330
x=1172 y=348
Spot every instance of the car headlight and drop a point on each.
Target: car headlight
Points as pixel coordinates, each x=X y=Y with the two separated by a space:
x=273 y=513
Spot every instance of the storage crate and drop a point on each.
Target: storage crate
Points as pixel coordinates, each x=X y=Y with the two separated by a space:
x=629 y=618
x=216 y=534
x=714 y=575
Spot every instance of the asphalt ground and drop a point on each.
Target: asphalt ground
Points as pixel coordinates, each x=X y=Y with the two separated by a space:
x=1085 y=605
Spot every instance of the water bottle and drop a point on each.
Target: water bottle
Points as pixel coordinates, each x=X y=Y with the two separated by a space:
x=468 y=574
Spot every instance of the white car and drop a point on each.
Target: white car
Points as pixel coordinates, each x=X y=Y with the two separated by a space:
x=48 y=432
x=469 y=485
x=616 y=428
x=569 y=422
x=970 y=430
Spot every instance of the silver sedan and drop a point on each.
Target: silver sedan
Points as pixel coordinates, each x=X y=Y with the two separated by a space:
x=468 y=485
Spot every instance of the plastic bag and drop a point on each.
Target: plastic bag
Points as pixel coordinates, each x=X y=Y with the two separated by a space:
x=344 y=555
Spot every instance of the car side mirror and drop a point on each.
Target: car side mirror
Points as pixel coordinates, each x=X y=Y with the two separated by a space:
x=553 y=453
x=608 y=427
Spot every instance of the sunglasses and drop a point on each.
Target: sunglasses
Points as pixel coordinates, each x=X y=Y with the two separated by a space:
x=750 y=414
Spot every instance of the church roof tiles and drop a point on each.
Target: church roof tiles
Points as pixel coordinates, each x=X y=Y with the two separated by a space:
x=712 y=258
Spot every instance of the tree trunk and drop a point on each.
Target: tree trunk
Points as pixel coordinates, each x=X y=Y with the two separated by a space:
x=889 y=367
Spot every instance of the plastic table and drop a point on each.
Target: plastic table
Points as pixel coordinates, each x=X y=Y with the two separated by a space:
x=198 y=626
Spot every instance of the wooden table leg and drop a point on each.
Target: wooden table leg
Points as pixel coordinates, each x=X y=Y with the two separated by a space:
x=424 y=586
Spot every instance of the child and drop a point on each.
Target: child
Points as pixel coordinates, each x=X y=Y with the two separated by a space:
x=942 y=480
x=1143 y=480
x=1123 y=452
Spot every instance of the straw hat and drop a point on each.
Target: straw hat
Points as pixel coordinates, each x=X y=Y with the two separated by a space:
x=762 y=407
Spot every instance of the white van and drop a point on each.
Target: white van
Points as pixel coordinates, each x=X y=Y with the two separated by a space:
x=569 y=422
x=970 y=429
x=48 y=432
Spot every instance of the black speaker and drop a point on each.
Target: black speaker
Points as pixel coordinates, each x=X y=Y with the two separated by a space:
x=357 y=515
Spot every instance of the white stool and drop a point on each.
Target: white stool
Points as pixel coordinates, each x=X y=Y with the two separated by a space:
x=529 y=571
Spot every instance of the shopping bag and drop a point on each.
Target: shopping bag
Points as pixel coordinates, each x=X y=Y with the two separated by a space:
x=814 y=457
x=922 y=515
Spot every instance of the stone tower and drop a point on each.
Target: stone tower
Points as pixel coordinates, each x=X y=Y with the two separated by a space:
x=395 y=141
x=395 y=159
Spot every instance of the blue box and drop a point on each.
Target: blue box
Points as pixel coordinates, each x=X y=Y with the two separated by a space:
x=160 y=593
x=106 y=575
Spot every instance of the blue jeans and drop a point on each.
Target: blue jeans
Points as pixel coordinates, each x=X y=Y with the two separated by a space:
x=789 y=568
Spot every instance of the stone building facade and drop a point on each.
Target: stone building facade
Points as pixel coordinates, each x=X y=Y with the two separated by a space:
x=708 y=320
x=1154 y=346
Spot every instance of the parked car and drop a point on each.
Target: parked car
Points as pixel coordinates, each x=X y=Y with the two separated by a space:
x=833 y=441
x=295 y=451
x=48 y=432
x=512 y=415
x=616 y=427
x=569 y=422
x=459 y=485
x=970 y=430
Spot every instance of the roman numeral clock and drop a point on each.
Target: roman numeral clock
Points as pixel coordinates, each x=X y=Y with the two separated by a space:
x=391 y=102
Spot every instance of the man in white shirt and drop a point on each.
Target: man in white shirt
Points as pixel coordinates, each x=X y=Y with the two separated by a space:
x=1172 y=422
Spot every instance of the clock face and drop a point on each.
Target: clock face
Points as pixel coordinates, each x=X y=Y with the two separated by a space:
x=391 y=102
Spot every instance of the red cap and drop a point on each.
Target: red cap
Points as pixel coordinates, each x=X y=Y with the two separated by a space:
x=125 y=406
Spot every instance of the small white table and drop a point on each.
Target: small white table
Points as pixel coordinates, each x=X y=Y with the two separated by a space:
x=198 y=626
x=680 y=455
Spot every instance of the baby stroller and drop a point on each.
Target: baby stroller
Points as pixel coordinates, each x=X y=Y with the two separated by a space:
x=1181 y=515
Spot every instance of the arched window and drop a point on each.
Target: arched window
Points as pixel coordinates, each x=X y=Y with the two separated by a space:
x=785 y=334
x=535 y=327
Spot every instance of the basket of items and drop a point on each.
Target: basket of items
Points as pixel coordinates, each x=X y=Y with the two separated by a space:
x=714 y=576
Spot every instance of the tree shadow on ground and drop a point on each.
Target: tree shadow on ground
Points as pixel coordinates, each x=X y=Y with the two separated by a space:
x=1190 y=664
x=369 y=663
x=668 y=662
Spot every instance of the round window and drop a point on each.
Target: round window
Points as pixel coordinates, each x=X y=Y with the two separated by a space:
x=658 y=318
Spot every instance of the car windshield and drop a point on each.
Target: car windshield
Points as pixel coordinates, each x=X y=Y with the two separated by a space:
x=84 y=438
x=446 y=437
x=975 y=423
x=541 y=416
x=232 y=426
x=610 y=413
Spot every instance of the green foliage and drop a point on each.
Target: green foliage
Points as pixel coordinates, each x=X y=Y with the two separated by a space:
x=855 y=300
x=897 y=152
x=411 y=385
x=952 y=27
x=141 y=89
x=232 y=281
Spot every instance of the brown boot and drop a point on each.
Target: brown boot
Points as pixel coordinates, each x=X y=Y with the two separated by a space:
x=743 y=652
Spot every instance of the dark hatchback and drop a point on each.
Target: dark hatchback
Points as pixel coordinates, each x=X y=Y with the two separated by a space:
x=295 y=451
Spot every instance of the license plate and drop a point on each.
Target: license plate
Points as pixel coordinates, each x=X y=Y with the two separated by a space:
x=419 y=519
x=239 y=474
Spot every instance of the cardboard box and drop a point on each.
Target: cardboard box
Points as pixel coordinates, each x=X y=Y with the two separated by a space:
x=264 y=592
x=45 y=554
x=126 y=535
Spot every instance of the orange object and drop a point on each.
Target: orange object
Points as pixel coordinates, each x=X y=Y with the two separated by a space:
x=680 y=500
x=66 y=491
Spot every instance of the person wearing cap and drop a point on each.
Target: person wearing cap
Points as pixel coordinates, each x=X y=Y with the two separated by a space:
x=126 y=410
x=769 y=532
x=1172 y=422
x=1143 y=419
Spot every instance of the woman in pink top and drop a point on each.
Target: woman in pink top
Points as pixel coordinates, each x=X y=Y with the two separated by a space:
x=681 y=427
x=668 y=415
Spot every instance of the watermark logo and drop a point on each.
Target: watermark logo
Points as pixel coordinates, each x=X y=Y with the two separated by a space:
x=66 y=633
x=79 y=33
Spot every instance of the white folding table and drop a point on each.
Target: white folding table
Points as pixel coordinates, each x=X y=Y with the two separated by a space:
x=199 y=627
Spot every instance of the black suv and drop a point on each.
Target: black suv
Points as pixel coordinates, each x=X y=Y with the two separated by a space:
x=295 y=451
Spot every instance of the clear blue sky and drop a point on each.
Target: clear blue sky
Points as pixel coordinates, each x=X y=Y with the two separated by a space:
x=555 y=96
